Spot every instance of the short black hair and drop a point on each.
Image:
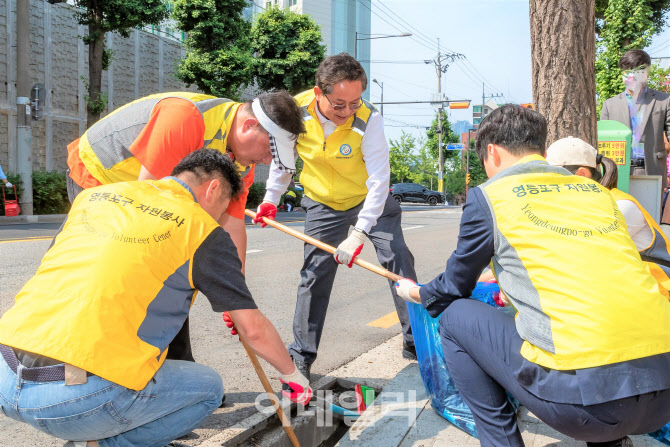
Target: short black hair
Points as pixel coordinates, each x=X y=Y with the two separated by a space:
x=633 y=59
x=209 y=164
x=519 y=130
x=282 y=109
x=338 y=68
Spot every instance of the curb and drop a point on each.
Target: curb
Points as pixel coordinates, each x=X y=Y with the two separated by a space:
x=24 y=220
x=375 y=368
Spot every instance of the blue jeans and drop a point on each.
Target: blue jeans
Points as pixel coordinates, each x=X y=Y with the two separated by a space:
x=177 y=400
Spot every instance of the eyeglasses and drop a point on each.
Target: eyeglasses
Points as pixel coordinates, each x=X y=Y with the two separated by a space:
x=353 y=108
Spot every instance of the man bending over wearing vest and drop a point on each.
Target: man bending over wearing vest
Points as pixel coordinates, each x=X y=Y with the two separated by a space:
x=84 y=346
x=589 y=350
x=148 y=137
x=346 y=178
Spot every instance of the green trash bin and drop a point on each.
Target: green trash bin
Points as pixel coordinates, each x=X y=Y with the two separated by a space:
x=614 y=141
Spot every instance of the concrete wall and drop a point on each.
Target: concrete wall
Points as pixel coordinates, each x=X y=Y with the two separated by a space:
x=143 y=64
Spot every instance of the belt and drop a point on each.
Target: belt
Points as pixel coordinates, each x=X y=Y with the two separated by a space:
x=52 y=373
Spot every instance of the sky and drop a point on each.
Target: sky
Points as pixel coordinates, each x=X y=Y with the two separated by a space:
x=494 y=37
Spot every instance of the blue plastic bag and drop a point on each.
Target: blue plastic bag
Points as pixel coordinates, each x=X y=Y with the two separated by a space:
x=445 y=398
x=662 y=435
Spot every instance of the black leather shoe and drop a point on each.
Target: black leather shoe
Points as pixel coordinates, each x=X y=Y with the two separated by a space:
x=302 y=367
x=409 y=351
x=623 y=442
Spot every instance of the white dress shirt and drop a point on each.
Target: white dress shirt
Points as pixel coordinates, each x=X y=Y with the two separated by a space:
x=376 y=158
x=637 y=225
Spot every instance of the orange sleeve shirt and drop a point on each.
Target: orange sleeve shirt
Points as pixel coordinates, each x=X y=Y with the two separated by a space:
x=175 y=129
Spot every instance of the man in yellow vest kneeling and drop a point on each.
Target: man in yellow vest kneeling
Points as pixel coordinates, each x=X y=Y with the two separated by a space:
x=588 y=352
x=84 y=347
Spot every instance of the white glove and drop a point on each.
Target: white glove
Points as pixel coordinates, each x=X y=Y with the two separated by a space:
x=8 y=185
x=350 y=248
x=299 y=391
x=403 y=287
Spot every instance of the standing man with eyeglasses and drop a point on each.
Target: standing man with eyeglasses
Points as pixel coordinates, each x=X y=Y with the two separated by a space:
x=346 y=177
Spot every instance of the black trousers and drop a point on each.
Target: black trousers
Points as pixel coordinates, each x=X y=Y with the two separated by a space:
x=480 y=345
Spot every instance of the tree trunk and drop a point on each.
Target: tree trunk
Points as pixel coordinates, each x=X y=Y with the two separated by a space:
x=96 y=49
x=563 y=53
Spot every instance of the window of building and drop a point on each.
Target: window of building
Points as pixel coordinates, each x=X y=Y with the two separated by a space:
x=293 y=2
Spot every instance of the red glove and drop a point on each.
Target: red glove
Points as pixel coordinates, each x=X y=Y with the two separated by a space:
x=265 y=209
x=299 y=390
x=229 y=323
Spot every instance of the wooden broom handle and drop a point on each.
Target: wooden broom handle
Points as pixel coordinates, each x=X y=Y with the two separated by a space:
x=310 y=240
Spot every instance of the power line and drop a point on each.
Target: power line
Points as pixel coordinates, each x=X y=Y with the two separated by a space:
x=416 y=30
x=418 y=34
x=394 y=26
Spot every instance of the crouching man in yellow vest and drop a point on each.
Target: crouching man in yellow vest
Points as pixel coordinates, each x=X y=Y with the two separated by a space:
x=589 y=349
x=84 y=346
x=346 y=176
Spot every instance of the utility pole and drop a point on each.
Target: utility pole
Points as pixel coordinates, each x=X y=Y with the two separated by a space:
x=450 y=57
x=24 y=147
x=440 y=177
x=499 y=95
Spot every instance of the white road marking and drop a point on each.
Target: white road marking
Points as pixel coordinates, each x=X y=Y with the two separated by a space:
x=413 y=228
x=253 y=251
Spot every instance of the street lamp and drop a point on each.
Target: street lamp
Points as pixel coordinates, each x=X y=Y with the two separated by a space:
x=376 y=37
x=382 y=101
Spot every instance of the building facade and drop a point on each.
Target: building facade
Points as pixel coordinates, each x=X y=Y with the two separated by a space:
x=143 y=64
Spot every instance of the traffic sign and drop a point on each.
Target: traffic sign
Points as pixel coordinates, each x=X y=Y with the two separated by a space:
x=455 y=146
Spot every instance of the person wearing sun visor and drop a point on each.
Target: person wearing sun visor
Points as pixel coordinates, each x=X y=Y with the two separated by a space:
x=146 y=139
x=346 y=177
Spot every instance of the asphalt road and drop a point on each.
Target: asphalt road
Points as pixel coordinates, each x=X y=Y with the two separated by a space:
x=274 y=260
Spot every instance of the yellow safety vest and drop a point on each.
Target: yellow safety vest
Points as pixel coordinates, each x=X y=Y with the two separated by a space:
x=104 y=147
x=333 y=170
x=116 y=286
x=564 y=258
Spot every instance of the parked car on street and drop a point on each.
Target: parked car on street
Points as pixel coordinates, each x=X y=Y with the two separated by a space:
x=413 y=192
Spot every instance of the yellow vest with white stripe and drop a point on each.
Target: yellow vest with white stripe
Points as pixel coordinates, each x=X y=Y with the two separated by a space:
x=333 y=170
x=564 y=258
x=104 y=147
x=657 y=251
x=116 y=286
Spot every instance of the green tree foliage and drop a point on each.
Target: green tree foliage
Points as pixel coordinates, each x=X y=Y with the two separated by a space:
x=625 y=25
x=658 y=10
x=219 y=58
x=288 y=50
x=448 y=136
x=425 y=167
x=120 y=16
x=401 y=157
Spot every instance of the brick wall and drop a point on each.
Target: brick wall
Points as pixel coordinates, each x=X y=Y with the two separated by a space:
x=142 y=64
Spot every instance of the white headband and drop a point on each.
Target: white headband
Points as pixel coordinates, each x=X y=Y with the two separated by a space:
x=269 y=125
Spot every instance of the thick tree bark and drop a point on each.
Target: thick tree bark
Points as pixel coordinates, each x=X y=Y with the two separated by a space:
x=563 y=51
x=95 y=51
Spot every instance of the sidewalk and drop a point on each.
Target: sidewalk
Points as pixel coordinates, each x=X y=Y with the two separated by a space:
x=413 y=423
x=23 y=220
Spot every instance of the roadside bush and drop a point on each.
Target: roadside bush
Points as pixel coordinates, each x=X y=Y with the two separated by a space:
x=256 y=194
x=49 y=192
